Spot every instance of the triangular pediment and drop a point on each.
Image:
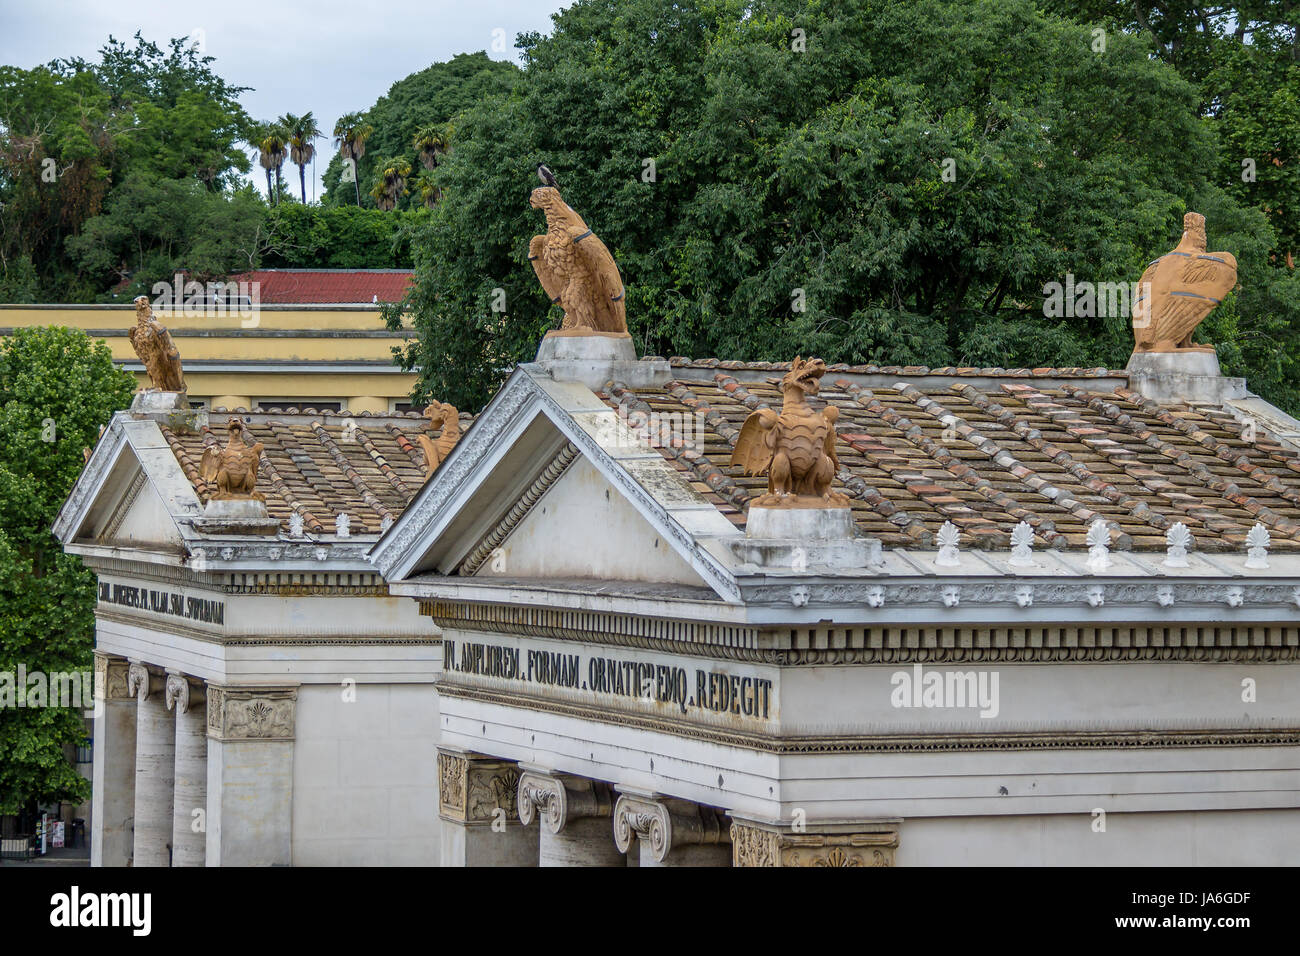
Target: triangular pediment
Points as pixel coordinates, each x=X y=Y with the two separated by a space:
x=130 y=494
x=544 y=486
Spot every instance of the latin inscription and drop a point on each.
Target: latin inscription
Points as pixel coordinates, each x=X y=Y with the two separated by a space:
x=696 y=690
x=166 y=603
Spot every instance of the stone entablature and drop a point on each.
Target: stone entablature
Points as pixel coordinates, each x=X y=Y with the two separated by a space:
x=866 y=843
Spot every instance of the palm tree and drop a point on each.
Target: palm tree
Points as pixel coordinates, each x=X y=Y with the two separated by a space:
x=432 y=142
x=390 y=182
x=350 y=135
x=269 y=140
x=429 y=191
x=303 y=133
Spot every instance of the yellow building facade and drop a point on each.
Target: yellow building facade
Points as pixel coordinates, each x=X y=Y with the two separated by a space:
x=330 y=356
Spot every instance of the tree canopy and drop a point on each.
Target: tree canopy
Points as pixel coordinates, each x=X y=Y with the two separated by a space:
x=773 y=179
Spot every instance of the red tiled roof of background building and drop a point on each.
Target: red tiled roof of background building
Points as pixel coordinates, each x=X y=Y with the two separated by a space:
x=328 y=286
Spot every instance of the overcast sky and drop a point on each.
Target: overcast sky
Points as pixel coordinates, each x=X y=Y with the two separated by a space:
x=327 y=56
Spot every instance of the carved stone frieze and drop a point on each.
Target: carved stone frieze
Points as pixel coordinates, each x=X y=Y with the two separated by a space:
x=558 y=798
x=871 y=843
x=476 y=790
x=251 y=713
x=665 y=822
x=111 y=677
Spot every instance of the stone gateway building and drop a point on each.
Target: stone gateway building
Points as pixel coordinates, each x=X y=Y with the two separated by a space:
x=1042 y=616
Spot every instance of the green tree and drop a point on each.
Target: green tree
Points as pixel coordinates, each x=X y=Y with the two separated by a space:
x=775 y=179
x=57 y=388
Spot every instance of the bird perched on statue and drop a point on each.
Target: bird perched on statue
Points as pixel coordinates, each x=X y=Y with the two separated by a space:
x=232 y=469
x=546 y=176
x=1179 y=290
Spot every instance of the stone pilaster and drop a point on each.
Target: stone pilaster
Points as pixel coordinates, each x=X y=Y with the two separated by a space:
x=112 y=807
x=574 y=816
x=190 y=794
x=478 y=807
x=671 y=832
x=155 y=766
x=250 y=775
x=863 y=843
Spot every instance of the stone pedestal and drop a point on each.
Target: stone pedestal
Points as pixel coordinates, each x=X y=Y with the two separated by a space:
x=1171 y=377
x=671 y=832
x=797 y=539
x=236 y=516
x=856 y=843
x=155 y=762
x=574 y=816
x=190 y=793
x=112 y=809
x=478 y=812
x=250 y=776
x=594 y=358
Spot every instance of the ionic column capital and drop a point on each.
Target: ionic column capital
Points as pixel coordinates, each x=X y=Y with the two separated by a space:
x=863 y=843
x=111 y=677
x=474 y=789
x=143 y=681
x=183 y=692
x=666 y=822
x=559 y=798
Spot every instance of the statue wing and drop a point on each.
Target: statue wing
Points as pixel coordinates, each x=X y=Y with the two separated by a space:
x=550 y=282
x=754 y=447
x=430 y=454
x=210 y=463
x=1219 y=268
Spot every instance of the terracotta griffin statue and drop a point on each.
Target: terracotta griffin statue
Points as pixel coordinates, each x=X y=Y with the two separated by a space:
x=1179 y=290
x=234 y=468
x=796 y=447
x=576 y=269
x=153 y=344
x=446 y=418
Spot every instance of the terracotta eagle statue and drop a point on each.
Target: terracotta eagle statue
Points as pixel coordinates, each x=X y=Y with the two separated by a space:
x=1179 y=290
x=446 y=418
x=232 y=469
x=576 y=269
x=153 y=344
x=796 y=448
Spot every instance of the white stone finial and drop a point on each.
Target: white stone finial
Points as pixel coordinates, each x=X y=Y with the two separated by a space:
x=342 y=525
x=1022 y=546
x=1257 y=544
x=295 y=524
x=949 y=539
x=1098 y=546
x=1177 y=540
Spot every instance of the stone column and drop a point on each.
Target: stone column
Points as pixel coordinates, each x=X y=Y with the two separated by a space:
x=155 y=767
x=671 y=832
x=189 y=829
x=478 y=807
x=863 y=843
x=112 y=806
x=250 y=775
x=574 y=815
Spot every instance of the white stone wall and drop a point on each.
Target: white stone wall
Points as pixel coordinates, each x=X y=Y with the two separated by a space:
x=1204 y=838
x=365 y=789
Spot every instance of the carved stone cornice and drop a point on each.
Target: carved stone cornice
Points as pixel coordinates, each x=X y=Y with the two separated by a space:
x=111 y=677
x=665 y=822
x=559 y=798
x=183 y=692
x=143 y=681
x=871 y=843
x=475 y=790
x=251 y=713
